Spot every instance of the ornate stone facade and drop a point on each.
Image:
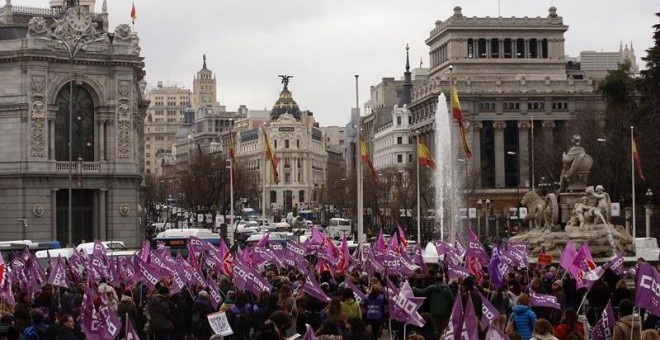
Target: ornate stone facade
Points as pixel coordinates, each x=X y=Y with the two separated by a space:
x=102 y=132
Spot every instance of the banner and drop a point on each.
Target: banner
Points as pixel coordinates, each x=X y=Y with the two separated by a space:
x=219 y=323
x=542 y=300
x=647 y=289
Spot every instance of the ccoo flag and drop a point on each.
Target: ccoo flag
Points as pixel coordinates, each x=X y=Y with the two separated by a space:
x=603 y=328
x=647 y=294
x=458 y=116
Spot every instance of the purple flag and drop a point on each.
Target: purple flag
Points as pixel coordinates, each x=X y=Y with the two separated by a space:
x=470 y=327
x=615 y=264
x=246 y=279
x=145 y=251
x=647 y=289
x=149 y=273
x=311 y=287
x=455 y=324
x=418 y=259
x=567 y=255
x=405 y=306
x=488 y=311
x=542 y=300
x=357 y=293
x=475 y=248
x=214 y=293
x=442 y=247
x=58 y=275
x=495 y=333
x=497 y=269
x=177 y=283
x=131 y=333
x=603 y=328
x=455 y=273
x=309 y=333
x=452 y=258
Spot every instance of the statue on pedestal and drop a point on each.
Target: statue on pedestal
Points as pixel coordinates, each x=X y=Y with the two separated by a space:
x=575 y=167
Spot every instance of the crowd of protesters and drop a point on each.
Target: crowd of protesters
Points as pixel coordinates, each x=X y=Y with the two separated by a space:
x=52 y=313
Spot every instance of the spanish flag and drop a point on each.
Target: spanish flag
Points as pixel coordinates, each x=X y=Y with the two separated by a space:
x=271 y=156
x=364 y=154
x=458 y=116
x=638 y=164
x=232 y=157
x=424 y=156
x=133 y=13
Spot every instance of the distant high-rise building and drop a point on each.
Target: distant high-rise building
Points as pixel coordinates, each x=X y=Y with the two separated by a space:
x=597 y=64
x=204 y=88
x=163 y=120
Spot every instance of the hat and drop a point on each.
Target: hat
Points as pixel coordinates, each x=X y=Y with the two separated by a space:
x=557 y=282
x=203 y=293
x=553 y=269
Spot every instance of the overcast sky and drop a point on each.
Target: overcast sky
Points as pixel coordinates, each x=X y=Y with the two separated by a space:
x=324 y=43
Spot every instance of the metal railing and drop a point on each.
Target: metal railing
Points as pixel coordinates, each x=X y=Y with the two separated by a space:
x=86 y=166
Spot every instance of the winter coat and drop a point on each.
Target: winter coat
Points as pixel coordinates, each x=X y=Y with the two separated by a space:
x=563 y=330
x=548 y=336
x=523 y=319
x=351 y=309
x=440 y=298
x=624 y=326
x=160 y=313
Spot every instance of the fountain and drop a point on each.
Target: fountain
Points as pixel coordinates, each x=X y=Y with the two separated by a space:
x=447 y=197
x=576 y=212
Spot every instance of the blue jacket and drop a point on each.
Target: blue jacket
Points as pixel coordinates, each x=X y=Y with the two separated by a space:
x=523 y=319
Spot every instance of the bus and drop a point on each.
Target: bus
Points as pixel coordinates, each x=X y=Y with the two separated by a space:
x=338 y=226
x=177 y=239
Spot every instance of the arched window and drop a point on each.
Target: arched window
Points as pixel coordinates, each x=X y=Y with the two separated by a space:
x=82 y=129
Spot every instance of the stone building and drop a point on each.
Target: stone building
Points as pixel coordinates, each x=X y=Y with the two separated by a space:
x=92 y=149
x=205 y=88
x=511 y=74
x=164 y=118
x=299 y=144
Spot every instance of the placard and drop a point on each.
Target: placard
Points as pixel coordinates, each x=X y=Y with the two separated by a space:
x=219 y=323
x=544 y=259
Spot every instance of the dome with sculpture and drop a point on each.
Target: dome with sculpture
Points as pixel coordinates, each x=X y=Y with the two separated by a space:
x=285 y=103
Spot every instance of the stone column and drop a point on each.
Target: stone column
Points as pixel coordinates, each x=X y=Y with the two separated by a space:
x=488 y=48
x=475 y=48
x=53 y=213
x=102 y=231
x=476 y=152
x=51 y=140
x=101 y=156
x=526 y=49
x=523 y=152
x=514 y=48
x=499 y=127
x=501 y=47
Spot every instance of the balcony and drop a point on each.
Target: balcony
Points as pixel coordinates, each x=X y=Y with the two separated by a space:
x=86 y=166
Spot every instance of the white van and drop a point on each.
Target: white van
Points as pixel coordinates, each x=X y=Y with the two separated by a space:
x=338 y=226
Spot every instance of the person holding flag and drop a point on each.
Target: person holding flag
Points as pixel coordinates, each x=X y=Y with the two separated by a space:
x=441 y=300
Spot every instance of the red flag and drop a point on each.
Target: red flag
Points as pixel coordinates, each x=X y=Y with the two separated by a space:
x=638 y=164
x=271 y=156
x=458 y=116
x=133 y=13
x=364 y=153
x=424 y=156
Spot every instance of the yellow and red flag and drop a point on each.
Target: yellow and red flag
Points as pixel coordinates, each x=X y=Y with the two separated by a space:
x=638 y=164
x=364 y=154
x=458 y=116
x=424 y=156
x=271 y=156
x=133 y=13
x=232 y=157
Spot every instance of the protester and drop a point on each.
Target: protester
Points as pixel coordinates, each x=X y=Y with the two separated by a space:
x=620 y=292
x=68 y=325
x=7 y=329
x=241 y=317
x=161 y=322
x=349 y=307
x=627 y=322
x=275 y=327
x=650 y=334
x=522 y=319
x=543 y=330
x=199 y=322
x=374 y=306
x=357 y=330
x=440 y=302
x=126 y=308
x=569 y=324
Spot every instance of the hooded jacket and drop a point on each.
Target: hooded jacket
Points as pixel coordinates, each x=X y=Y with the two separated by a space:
x=624 y=326
x=523 y=319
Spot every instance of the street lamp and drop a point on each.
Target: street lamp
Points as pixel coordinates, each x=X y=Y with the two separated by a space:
x=649 y=211
x=74 y=42
x=231 y=191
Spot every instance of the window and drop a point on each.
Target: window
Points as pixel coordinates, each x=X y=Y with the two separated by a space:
x=297 y=143
x=398 y=120
x=301 y=196
x=399 y=158
x=273 y=196
x=410 y=158
x=399 y=140
x=275 y=144
x=287 y=178
x=409 y=120
x=286 y=143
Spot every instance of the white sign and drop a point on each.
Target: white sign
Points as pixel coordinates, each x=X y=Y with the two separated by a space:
x=219 y=323
x=616 y=209
x=523 y=212
x=473 y=212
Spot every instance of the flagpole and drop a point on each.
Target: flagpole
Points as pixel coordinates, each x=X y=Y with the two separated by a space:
x=358 y=160
x=632 y=175
x=452 y=230
x=419 y=203
x=532 y=127
x=263 y=188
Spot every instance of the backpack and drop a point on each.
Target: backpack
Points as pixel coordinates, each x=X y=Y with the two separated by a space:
x=35 y=332
x=243 y=318
x=375 y=308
